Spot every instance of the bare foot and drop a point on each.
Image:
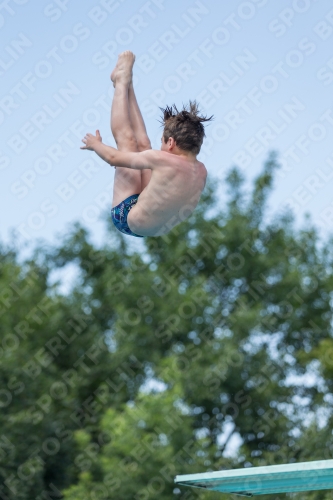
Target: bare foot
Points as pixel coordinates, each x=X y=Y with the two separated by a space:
x=113 y=74
x=123 y=69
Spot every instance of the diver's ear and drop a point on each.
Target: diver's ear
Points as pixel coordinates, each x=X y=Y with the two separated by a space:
x=172 y=142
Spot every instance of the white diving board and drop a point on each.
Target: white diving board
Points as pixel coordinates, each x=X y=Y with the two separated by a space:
x=288 y=478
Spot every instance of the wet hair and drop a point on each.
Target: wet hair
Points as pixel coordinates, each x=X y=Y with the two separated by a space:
x=184 y=126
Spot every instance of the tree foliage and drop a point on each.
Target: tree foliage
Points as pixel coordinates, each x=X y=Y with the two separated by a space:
x=154 y=363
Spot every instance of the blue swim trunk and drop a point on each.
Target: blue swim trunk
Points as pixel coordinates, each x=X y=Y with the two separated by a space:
x=120 y=212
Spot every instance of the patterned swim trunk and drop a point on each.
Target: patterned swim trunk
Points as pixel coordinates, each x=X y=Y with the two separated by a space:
x=120 y=212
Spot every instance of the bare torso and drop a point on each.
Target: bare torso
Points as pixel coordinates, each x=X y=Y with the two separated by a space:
x=170 y=197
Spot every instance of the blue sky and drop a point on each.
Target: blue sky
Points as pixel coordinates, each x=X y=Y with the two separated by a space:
x=263 y=68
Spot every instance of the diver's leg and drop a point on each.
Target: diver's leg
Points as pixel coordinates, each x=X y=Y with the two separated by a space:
x=140 y=132
x=126 y=181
